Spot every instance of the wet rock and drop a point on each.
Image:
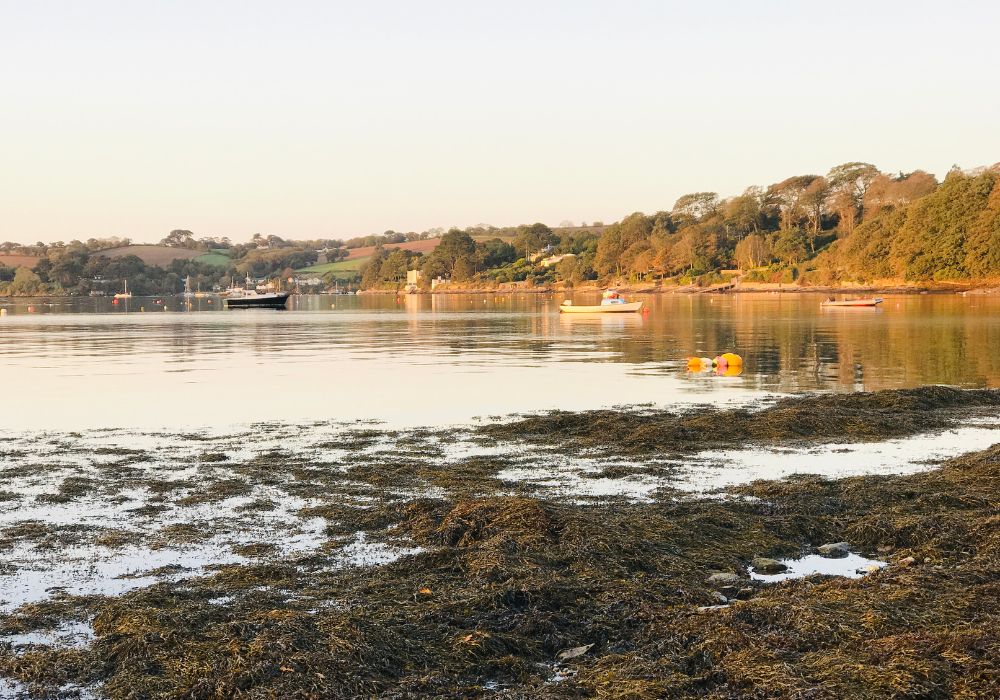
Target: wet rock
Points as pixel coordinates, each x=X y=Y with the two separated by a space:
x=723 y=579
x=834 y=549
x=720 y=597
x=744 y=594
x=905 y=561
x=567 y=654
x=763 y=565
x=729 y=591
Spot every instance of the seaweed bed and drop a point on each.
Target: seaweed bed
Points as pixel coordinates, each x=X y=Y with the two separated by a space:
x=502 y=591
x=808 y=418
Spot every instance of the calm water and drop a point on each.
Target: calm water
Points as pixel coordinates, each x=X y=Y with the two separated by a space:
x=431 y=360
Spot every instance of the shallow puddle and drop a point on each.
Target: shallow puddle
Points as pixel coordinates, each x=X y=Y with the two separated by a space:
x=711 y=470
x=68 y=635
x=851 y=566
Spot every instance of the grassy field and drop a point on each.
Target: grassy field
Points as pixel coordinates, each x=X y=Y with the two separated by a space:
x=214 y=258
x=342 y=270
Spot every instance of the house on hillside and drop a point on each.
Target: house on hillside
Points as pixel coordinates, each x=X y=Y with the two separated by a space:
x=542 y=253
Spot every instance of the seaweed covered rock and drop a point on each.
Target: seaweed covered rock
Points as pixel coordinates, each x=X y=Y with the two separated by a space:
x=518 y=522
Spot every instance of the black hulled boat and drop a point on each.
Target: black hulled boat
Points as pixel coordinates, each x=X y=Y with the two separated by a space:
x=250 y=299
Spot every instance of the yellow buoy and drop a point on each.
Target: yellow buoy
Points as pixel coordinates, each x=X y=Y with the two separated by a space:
x=732 y=358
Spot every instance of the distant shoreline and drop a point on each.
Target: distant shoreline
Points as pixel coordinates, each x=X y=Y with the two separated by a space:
x=746 y=288
x=982 y=289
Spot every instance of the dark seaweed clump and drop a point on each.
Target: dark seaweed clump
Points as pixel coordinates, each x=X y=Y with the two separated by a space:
x=810 y=418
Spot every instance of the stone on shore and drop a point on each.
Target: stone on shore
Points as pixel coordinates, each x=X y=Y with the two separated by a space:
x=763 y=565
x=724 y=579
x=834 y=549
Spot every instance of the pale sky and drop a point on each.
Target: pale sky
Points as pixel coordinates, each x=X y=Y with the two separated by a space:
x=335 y=119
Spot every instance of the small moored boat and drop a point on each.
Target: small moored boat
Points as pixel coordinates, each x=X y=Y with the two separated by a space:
x=124 y=295
x=611 y=303
x=250 y=298
x=852 y=302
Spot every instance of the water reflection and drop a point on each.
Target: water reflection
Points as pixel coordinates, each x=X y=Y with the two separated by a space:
x=432 y=359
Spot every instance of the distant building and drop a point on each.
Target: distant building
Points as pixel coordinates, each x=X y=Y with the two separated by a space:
x=541 y=253
x=413 y=278
x=438 y=281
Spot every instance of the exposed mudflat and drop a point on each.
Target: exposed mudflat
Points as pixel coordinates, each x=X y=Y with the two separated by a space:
x=332 y=560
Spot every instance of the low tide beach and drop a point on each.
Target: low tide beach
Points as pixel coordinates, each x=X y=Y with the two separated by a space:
x=639 y=551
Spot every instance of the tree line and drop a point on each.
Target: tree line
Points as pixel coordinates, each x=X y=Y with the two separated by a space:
x=855 y=223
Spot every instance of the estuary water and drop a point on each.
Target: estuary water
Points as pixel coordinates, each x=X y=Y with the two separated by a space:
x=72 y=364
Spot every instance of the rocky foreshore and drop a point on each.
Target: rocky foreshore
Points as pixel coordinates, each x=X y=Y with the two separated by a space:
x=421 y=569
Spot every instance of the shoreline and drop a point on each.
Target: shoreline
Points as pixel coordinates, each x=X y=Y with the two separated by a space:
x=416 y=562
x=973 y=289
x=743 y=288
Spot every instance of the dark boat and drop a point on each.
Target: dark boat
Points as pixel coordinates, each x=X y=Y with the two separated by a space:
x=250 y=299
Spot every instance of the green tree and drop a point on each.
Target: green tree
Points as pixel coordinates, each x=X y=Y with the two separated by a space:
x=394 y=267
x=464 y=268
x=533 y=238
x=371 y=272
x=26 y=283
x=179 y=238
x=790 y=246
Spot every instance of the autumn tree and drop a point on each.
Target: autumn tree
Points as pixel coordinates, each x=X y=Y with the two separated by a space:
x=696 y=205
x=753 y=251
x=789 y=195
x=814 y=200
x=744 y=213
x=618 y=239
x=885 y=191
x=849 y=183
